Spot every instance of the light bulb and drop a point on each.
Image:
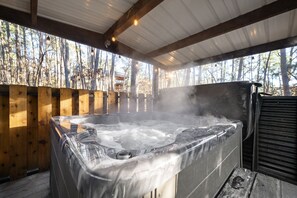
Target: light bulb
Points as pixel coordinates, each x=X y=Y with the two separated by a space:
x=113 y=38
x=48 y=40
x=135 y=22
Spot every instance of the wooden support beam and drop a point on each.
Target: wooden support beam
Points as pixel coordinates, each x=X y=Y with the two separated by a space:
x=283 y=43
x=34 y=5
x=83 y=102
x=80 y=35
x=138 y=10
x=265 y=12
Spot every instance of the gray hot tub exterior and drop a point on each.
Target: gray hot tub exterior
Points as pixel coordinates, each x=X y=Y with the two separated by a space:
x=201 y=173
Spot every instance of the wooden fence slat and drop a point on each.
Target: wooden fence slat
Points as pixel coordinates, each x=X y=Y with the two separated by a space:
x=123 y=102
x=112 y=102
x=44 y=115
x=75 y=102
x=91 y=102
x=83 y=106
x=65 y=102
x=4 y=135
x=105 y=98
x=140 y=102
x=55 y=102
x=32 y=130
x=132 y=103
x=18 y=130
x=98 y=102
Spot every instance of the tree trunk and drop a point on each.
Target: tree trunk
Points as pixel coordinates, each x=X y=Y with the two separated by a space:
x=112 y=72
x=95 y=71
x=240 y=67
x=134 y=71
x=199 y=75
x=187 y=79
x=259 y=66
x=25 y=63
x=10 y=66
x=265 y=72
x=284 y=72
x=66 y=60
x=233 y=71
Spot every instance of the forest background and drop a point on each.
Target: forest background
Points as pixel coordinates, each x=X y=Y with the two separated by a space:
x=33 y=58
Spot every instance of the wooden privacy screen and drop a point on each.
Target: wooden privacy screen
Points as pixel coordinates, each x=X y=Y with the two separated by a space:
x=24 y=121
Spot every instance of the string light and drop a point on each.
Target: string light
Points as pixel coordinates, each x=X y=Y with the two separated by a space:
x=135 y=22
x=48 y=40
x=92 y=52
x=113 y=38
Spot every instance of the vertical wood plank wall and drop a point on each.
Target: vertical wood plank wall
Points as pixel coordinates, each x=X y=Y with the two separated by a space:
x=18 y=130
x=24 y=121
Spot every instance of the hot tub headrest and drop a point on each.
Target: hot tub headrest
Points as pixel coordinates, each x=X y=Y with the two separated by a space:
x=232 y=100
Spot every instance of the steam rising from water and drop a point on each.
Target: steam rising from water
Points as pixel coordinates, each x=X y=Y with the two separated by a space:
x=149 y=134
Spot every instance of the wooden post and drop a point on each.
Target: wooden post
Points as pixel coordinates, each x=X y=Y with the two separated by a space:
x=140 y=102
x=83 y=106
x=65 y=102
x=4 y=132
x=32 y=130
x=44 y=115
x=123 y=102
x=18 y=130
x=112 y=102
x=98 y=102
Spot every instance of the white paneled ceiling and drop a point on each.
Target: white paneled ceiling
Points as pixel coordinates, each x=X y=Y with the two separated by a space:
x=22 y=5
x=170 y=21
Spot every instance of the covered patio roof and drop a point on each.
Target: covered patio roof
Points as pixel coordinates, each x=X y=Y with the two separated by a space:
x=171 y=34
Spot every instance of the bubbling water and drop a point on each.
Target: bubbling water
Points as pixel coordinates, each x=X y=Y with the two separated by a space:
x=140 y=135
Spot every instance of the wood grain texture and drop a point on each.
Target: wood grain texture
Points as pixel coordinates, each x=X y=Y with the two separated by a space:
x=55 y=102
x=266 y=187
x=32 y=132
x=112 y=102
x=138 y=10
x=123 y=102
x=4 y=135
x=83 y=98
x=44 y=115
x=18 y=130
x=34 y=186
x=98 y=102
x=65 y=102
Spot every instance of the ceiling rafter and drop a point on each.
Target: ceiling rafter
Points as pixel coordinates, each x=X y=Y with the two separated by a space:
x=275 y=45
x=33 y=8
x=70 y=32
x=265 y=12
x=138 y=10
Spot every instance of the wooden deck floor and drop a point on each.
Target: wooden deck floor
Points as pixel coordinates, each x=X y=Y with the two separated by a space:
x=262 y=186
x=34 y=186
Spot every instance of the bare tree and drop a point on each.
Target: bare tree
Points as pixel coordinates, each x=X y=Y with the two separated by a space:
x=284 y=72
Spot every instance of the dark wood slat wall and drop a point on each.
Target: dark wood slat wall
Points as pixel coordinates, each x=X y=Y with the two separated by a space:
x=277 y=138
x=24 y=121
x=4 y=132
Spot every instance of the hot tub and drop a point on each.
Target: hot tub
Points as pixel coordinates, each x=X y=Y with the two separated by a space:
x=142 y=154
